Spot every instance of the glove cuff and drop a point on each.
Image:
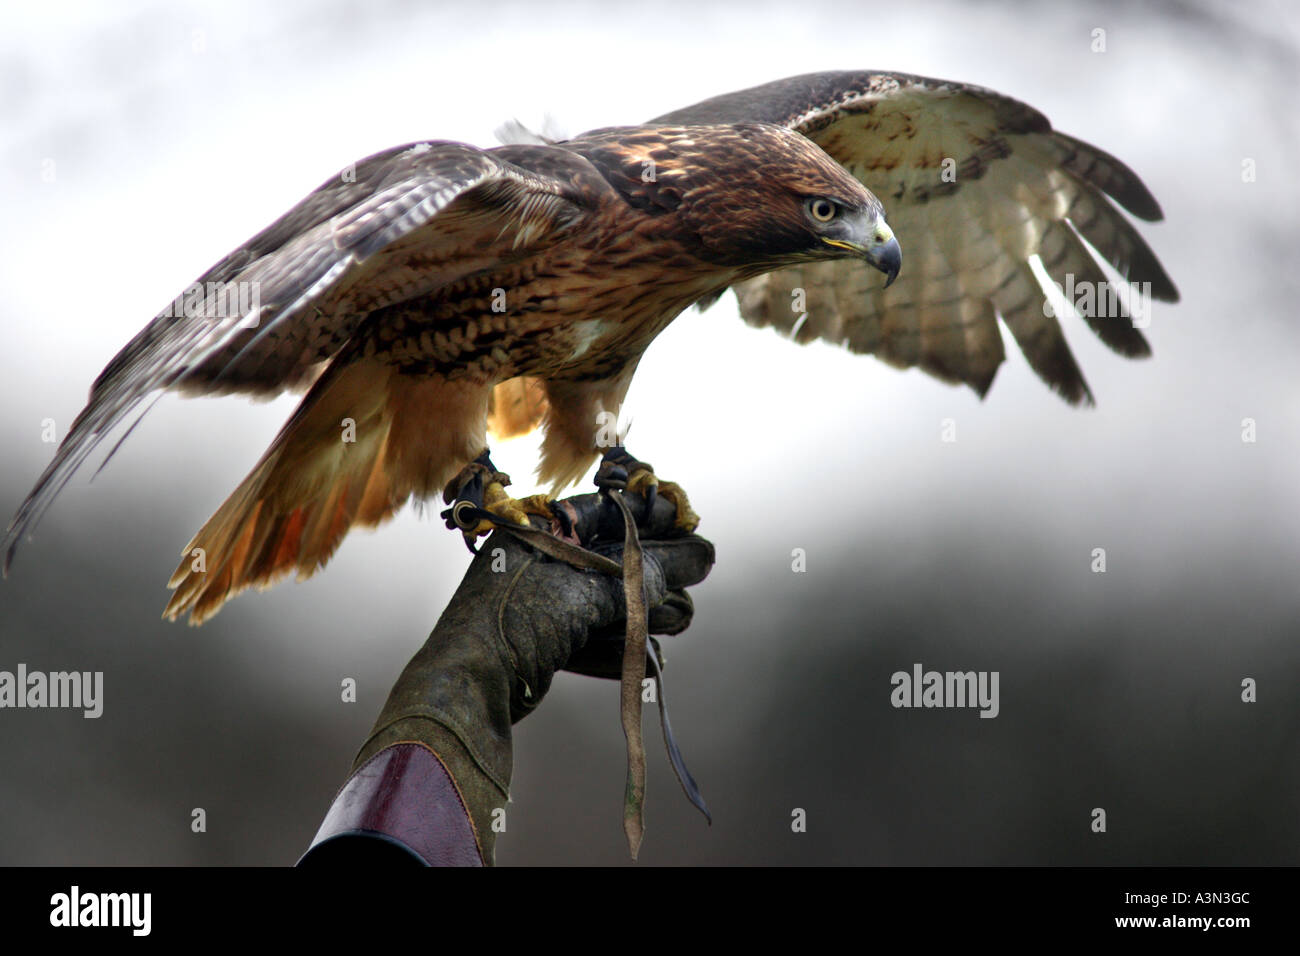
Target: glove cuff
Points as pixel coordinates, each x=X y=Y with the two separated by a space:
x=404 y=794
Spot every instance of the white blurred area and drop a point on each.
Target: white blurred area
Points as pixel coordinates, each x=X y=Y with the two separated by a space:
x=141 y=141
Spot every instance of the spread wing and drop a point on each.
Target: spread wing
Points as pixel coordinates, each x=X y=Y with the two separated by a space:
x=397 y=226
x=974 y=184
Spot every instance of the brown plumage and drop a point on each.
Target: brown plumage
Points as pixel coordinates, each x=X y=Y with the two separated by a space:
x=439 y=288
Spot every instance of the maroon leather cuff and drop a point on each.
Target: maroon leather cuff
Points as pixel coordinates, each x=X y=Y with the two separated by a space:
x=404 y=794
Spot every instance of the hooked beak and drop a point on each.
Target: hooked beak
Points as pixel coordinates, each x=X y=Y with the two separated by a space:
x=879 y=248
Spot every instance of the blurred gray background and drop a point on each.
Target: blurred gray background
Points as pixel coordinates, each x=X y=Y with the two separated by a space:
x=140 y=141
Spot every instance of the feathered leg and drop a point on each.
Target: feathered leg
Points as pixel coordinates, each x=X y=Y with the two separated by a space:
x=580 y=423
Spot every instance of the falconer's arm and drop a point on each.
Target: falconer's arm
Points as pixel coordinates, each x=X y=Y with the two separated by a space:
x=434 y=775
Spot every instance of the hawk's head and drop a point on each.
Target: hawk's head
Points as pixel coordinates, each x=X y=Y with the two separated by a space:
x=757 y=196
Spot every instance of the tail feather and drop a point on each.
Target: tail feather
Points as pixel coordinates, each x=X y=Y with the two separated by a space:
x=311 y=487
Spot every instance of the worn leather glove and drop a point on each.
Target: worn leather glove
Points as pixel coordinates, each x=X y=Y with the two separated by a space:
x=437 y=765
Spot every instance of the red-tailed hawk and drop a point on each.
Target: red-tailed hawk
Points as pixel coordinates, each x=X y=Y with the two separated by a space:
x=437 y=288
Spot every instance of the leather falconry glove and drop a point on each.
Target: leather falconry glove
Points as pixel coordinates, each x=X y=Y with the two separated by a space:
x=426 y=785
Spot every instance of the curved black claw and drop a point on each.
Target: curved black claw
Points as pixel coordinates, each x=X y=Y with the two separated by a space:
x=617 y=466
x=651 y=495
x=563 y=518
x=619 y=470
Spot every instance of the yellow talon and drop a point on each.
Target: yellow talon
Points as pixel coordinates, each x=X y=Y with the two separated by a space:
x=643 y=479
x=517 y=510
x=495 y=499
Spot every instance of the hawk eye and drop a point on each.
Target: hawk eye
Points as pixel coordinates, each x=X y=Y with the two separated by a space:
x=823 y=210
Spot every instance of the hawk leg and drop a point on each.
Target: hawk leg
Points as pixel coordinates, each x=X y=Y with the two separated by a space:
x=479 y=485
x=618 y=469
